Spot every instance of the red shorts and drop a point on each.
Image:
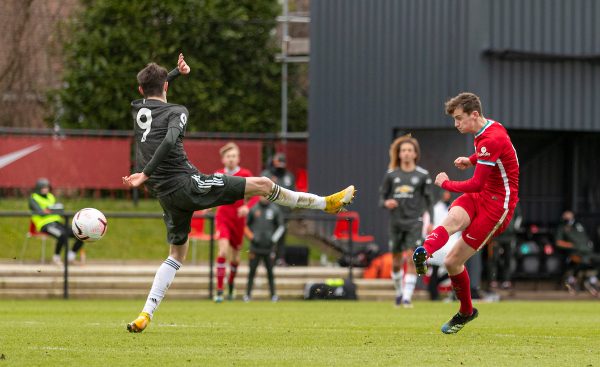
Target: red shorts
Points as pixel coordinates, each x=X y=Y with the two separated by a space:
x=488 y=219
x=233 y=230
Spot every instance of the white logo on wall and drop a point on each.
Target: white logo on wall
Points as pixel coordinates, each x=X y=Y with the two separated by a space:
x=9 y=158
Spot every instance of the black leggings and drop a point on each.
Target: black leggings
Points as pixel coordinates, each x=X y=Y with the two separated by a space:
x=254 y=260
x=62 y=233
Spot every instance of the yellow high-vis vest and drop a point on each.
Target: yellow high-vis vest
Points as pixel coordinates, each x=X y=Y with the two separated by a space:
x=44 y=202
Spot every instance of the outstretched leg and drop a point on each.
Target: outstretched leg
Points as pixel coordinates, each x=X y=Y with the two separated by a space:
x=263 y=186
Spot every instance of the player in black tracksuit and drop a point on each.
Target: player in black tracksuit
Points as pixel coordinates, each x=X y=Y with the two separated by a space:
x=407 y=192
x=265 y=226
x=163 y=166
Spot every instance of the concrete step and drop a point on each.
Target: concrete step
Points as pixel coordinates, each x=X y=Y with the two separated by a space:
x=144 y=282
x=11 y=270
x=134 y=280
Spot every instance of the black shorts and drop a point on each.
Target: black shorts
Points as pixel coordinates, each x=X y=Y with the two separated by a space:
x=198 y=192
x=403 y=238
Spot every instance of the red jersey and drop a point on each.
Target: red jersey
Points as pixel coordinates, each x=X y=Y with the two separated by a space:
x=496 y=174
x=230 y=211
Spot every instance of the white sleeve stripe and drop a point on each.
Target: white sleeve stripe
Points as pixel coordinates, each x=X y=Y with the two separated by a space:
x=486 y=162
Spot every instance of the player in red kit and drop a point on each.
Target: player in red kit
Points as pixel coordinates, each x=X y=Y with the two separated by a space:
x=485 y=208
x=230 y=221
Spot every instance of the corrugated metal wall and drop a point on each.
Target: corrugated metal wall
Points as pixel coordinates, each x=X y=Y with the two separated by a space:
x=554 y=85
x=377 y=66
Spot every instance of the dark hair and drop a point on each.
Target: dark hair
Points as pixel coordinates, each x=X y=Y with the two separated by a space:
x=468 y=102
x=151 y=79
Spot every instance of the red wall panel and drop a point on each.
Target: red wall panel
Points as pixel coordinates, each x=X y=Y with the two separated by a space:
x=72 y=162
x=204 y=154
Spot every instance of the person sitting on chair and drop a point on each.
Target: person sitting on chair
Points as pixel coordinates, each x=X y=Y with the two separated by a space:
x=47 y=218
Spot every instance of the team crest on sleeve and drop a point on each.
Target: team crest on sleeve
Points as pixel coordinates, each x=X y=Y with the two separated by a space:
x=183 y=119
x=484 y=152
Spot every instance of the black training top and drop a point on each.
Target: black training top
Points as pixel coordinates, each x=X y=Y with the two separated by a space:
x=159 y=131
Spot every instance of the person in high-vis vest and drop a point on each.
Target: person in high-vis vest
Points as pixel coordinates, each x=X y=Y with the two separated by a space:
x=47 y=218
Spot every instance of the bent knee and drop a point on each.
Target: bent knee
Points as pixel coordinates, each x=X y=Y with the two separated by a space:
x=457 y=220
x=258 y=186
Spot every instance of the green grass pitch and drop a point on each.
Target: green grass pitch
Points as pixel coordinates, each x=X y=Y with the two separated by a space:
x=296 y=333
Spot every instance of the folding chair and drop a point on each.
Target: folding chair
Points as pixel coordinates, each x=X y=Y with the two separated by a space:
x=340 y=232
x=32 y=233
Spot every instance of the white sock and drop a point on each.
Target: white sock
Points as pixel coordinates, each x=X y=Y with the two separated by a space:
x=397 y=278
x=295 y=199
x=164 y=276
x=410 y=280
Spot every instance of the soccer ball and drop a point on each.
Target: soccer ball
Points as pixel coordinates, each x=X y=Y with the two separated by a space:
x=89 y=225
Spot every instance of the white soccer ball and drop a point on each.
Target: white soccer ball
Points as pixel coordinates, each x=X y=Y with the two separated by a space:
x=89 y=225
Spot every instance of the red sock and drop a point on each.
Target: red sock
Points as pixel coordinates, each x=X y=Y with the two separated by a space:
x=462 y=288
x=436 y=240
x=232 y=272
x=220 y=272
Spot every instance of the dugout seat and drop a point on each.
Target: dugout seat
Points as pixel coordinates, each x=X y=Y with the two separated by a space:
x=301 y=180
x=197 y=233
x=32 y=233
x=340 y=232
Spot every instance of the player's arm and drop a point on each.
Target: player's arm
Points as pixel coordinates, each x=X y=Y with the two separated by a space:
x=384 y=194
x=474 y=184
x=182 y=68
x=160 y=154
x=162 y=151
x=484 y=167
x=35 y=208
x=560 y=239
x=465 y=162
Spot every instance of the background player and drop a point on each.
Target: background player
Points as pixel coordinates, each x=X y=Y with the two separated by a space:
x=265 y=228
x=486 y=207
x=406 y=192
x=230 y=222
x=162 y=164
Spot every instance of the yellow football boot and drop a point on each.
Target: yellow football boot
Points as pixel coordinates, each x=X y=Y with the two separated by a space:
x=335 y=203
x=138 y=325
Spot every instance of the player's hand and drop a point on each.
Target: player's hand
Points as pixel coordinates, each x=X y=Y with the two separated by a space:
x=462 y=163
x=182 y=66
x=243 y=211
x=441 y=178
x=390 y=204
x=135 y=179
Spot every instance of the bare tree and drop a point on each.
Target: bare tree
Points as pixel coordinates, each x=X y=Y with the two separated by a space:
x=30 y=58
